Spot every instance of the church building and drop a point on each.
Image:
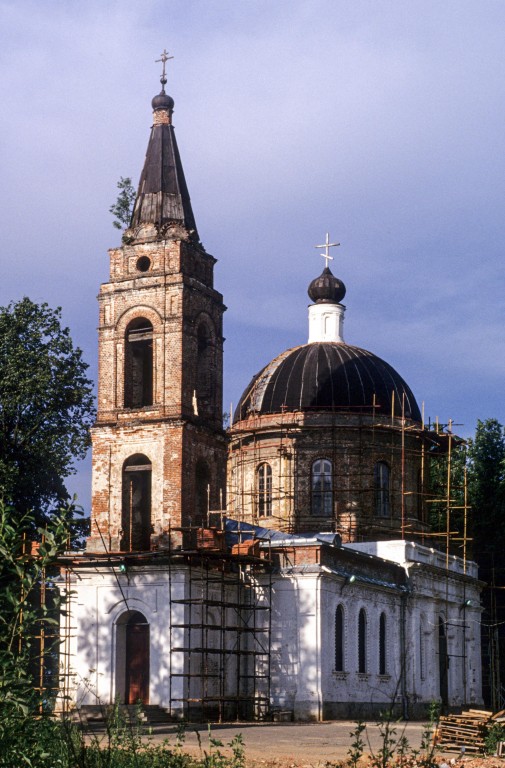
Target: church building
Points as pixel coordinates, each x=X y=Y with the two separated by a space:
x=281 y=568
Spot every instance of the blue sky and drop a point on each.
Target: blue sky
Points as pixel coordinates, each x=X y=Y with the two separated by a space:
x=381 y=122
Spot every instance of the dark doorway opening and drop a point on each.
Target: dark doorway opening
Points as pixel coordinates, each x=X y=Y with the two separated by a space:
x=137 y=659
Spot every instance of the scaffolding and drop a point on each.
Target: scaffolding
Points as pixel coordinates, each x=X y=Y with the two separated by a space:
x=416 y=453
x=222 y=670
x=219 y=632
x=220 y=628
x=353 y=445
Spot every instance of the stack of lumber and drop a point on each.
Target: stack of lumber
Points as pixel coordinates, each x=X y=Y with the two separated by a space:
x=466 y=730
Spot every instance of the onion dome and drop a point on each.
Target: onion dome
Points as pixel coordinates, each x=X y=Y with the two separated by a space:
x=163 y=101
x=326 y=288
x=328 y=377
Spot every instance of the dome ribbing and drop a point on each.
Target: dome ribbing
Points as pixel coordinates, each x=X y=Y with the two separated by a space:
x=326 y=376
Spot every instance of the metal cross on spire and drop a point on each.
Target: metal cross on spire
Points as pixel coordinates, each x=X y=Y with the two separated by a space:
x=164 y=58
x=327 y=245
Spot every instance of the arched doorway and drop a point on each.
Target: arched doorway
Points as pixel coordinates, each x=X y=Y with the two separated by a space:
x=132 y=658
x=443 y=663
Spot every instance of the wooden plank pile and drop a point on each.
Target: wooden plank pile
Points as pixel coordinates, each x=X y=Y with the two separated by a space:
x=466 y=731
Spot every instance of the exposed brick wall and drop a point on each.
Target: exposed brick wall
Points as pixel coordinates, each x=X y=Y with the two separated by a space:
x=182 y=425
x=290 y=443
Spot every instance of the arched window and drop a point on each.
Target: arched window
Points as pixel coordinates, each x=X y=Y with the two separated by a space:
x=322 y=488
x=264 y=489
x=136 y=508
x=203 y=364
x=202 y=490
x=443 y=662
x=339 y=639
x=422 y=650
x=138 y=368
x=381 y=489
x=362 y=641
x=382 y=645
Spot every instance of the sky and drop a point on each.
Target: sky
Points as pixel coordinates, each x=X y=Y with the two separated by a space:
x=378 y=121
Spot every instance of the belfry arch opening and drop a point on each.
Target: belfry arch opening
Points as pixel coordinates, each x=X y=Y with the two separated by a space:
x=204 y=344
x=202 y=490
x=138 y=366
x=136 y=504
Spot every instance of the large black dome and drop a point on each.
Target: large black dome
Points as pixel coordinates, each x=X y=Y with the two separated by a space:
x=327 y=376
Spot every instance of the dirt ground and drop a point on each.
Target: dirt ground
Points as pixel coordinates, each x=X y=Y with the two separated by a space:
x=301 y=745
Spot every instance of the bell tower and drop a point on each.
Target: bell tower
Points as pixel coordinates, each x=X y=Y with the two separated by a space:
x=159 y=450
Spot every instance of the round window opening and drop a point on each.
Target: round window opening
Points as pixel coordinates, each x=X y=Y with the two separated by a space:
x=143 y=264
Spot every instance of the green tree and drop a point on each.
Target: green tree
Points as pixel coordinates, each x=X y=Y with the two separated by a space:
x=24 y=617
x=446 y=491
x=46 y=407
x=486 y=493
x=486 y=475
x=123 y=207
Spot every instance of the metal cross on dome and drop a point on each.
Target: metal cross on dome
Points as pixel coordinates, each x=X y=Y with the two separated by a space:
x=164 y=58
x=327 y=245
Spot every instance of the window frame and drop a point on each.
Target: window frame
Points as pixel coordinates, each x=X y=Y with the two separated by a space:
x=362 y=642
x=382 y=489
x=422 y=649
x=321 y=488
x=339 y=639
x=383 y=657
x=264 y=489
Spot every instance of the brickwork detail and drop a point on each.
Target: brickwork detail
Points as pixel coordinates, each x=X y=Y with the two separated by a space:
x=181 y=426
x=290 y=443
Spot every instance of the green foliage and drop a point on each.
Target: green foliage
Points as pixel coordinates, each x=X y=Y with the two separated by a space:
x=214 y=758
x=434 y=711
x=495 y=734
x=357 y=747
x=45 y=743
x=439 y=477
x=389 y=745
x=394 y=751
x=127 y=744
x=123 y=207
x=41 y=743
x=483 y=458
x=27 y=735
x=46 y=407
x=487 y=488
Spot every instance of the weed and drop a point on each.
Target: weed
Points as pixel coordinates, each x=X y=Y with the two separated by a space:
x=495 y=734
x=357 y=747
x=395 y=750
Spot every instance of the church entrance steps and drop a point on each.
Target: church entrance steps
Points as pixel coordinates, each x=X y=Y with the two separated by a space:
x=148 y=714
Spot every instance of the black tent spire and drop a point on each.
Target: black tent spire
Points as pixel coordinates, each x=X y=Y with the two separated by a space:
x=163 y=197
